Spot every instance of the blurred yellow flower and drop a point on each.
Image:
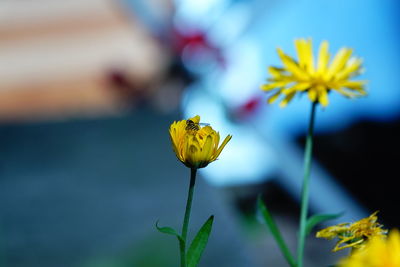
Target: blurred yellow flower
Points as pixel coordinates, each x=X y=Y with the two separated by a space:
x=378 y=252
x=304 y=76
x=194 y=145
x=354 y=234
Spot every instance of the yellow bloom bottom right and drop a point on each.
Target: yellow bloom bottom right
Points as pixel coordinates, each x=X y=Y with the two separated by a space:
x=378 y=252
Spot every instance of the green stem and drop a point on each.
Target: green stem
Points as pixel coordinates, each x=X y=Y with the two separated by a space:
x=305 y=188
x=182 y=245
x=275 y=232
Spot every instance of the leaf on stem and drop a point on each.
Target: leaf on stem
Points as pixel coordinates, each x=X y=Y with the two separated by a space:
x=275 y=231
x=199 y=243
x=169 y=231
x=318 y=218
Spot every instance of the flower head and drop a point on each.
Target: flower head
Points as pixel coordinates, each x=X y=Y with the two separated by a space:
x=354 y=234
x=194 y=145
x=317 y=80
x=378 y=252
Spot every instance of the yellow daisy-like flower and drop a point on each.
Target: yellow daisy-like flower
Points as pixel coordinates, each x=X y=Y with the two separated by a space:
x=194 y=145
x=378 y=252
x=354 y=234
x=317 y=81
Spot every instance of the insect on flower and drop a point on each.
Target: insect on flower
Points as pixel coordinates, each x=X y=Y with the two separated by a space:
x=194 y=145
x=191 y=125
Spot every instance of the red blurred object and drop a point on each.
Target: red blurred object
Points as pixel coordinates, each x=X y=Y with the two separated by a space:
x=129 y=90
x=249 y=108
x=198 y=40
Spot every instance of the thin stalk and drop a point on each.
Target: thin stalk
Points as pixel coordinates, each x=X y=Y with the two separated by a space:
x=182 y=245
x=305 y=188
x=275 y=232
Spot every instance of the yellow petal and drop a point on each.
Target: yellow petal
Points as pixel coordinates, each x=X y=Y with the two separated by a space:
x=339 y=62
x=206 y=130
x=323 y=57
x=354 y=85
x=349 y=245
x=305 y=55
x=271 y=86
x=312 y=95
x=216 y=142
x=394 y=243
x=309 y=55
x=195 y=119
x=302 y=86
x=299 y=44
x=276 y=72
x=287 y=99
x=177 y=133
x=194 y=152
x=323 y=98
x=292 y=66
x=352 y=68
x=226 y=140
x=274 y=97
x=206 y=150
x=346 y=93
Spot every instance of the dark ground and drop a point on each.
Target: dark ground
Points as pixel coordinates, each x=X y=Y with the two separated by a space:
x=87 y=193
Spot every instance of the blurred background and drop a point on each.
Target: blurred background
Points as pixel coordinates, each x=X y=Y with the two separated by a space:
x=88 y=89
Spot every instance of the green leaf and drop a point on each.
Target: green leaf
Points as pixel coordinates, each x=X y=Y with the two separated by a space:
x=275 y=232
x=318 y=218
x=199 y=243
x=169 y=231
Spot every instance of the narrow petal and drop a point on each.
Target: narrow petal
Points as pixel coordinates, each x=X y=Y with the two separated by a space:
x=287 y=91
x=274 y=97
x=226 y=140
x=177 y=138
x=323 y=57
x=312 y=95
x=297 y=87
x=354 y=85
x=172 y=133
x=277 y=72
x=301 y=54
x=216 y=142
x=302 y=86
x=309 y=58
x=339 y=61
x=195 y=119
x=292 y=66
x=185 y=148
x=305 y=55
x=323 y=97
x=193 y=155
x=346 y=93
x=287 y=99
x=272 y=86
x=206 y=153
x=352 y=68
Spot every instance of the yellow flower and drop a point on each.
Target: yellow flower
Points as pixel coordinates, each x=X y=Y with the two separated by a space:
x=194 y=145
x=354 y=234
x=319 y=80
x=378 y=252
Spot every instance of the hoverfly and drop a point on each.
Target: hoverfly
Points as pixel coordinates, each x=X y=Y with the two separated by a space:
x=193 y=126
